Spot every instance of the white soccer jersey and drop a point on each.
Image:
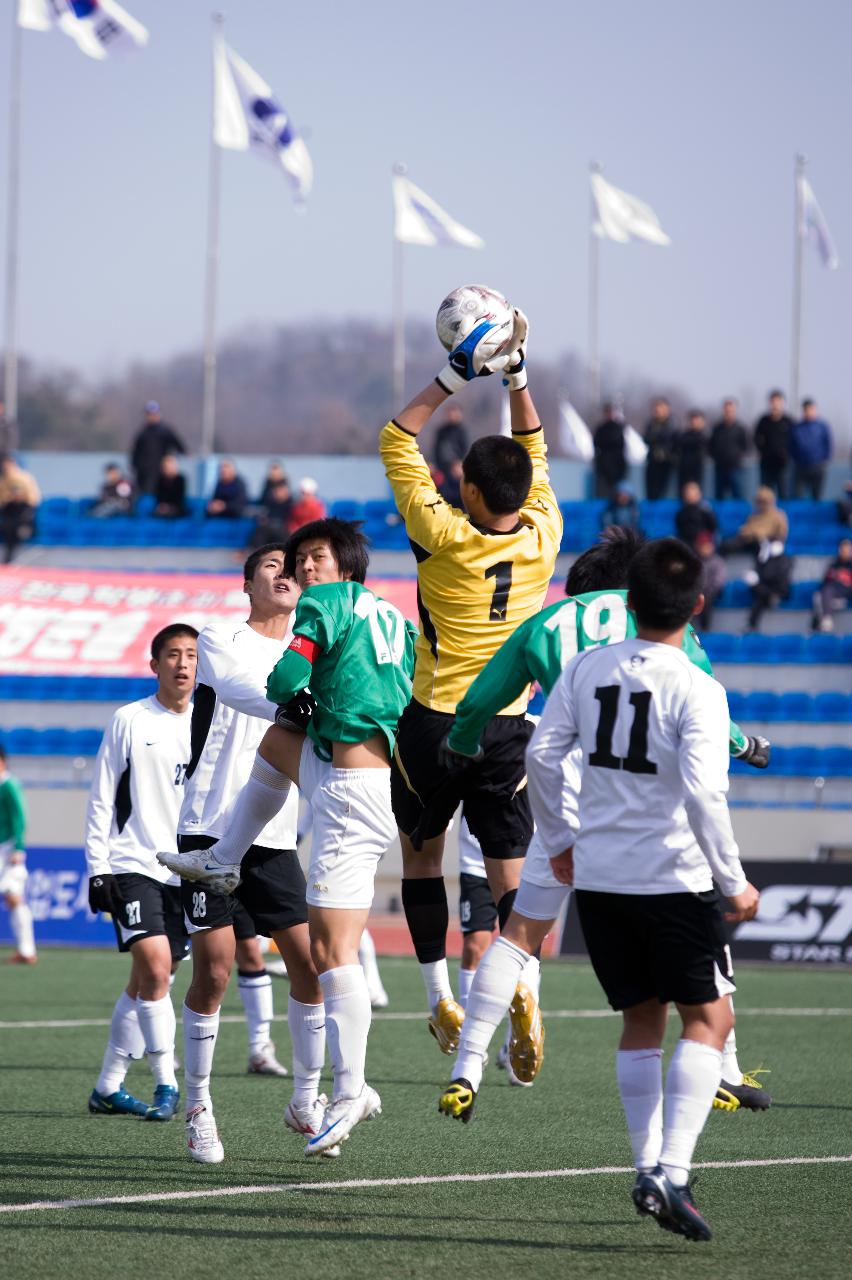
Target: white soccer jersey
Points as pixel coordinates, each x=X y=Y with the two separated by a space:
x=230 y=715
x=137 y=790
x=652 y=815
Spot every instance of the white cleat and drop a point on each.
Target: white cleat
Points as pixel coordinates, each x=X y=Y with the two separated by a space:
x=199 y=865
x=307 y=1121
x=341 y=1118
x=277 y=968
x=202 y=1137
x=265 y=1063
x=379 y=998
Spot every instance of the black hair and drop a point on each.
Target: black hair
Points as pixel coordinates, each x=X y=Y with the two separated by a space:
x=502 y=472
x=776 y=391
x=808 y=403
x=604 y=566
x=250 y=566
x=162 y=638
x=664 y=582
x=345 y=539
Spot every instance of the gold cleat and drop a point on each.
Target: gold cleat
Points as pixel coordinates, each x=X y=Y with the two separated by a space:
x=526 y=1044
x=457 y=1100
x=446 y=1024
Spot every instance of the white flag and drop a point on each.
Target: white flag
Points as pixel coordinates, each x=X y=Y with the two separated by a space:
x=419 y=220
x=247 y=116
x=574 y=435
x=97 y=27
x=815 y=226
x=622 y=217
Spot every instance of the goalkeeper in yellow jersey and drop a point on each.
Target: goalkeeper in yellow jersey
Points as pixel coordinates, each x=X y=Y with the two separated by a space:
x=481 y=572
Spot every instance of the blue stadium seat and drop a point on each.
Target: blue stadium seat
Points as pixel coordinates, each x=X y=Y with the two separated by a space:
x=824 y=648
x=761 y=704
x=833 y=707
x=736 y=704
x=145 y=504
x=378 y=509
x=835 y=762
x=347 y=509
x=795 y=706
x=796 y=762
x=722 y=647
x=55 y=507
x=786 y=648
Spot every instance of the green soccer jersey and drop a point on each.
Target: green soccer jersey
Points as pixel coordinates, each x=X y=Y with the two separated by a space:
x=542 y=646
x=361 y=654
x=13 y=813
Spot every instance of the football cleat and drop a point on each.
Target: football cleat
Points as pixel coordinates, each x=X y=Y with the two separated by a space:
x=308 y=1121
x=166 y=1098
x=265 y=1063
x=526 y=1044
x=277 y=968
x=341 y=1118
x=379 y=998
x=445 y=1024
x=673 y=1207
x=457 y=1100
x=199 y=865
x=505 y=1065
x=202 y=1137
x=120 y=1103
x=750 y=1094
x=17 y=958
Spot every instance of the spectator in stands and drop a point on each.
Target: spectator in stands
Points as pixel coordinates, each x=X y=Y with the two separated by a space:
x=275 y=475
x=765 y=524
x=622 y=509
x=307 y=506
x=810 y=448
x=835 y=591
x=659 y=437
x=19 y=501
x=452 y=441
x=695 y=517
x=769 y=580
x=715 y=577
x=449 y=485
x=844 y=505
x=116 y=495
x=690 y=450
x=153 y=442
x=772 y=442
x=170 y=492
x=230 y=496
x=728 y=449
x=610 y=461
x=273 y=517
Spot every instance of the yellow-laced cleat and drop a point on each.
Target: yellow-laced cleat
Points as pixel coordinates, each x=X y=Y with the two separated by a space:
x=750 y=1094
x=526 y=1044
x=457 y=1100
x=446 y=1024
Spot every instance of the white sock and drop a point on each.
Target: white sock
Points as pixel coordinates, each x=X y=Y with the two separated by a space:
x=367 y=958
x=157 y=1023
x=640 y=1083
x=307 y=1031
x=259 y=801
x=347 y=1025
x=730 y=1064
x=466 y=977
x=256 y=994
x=691 y=1083
x=436 y=979
x=125 y=1044
x=199 y=1043
x=21 y=920
x=531 y=976
x=489 y=998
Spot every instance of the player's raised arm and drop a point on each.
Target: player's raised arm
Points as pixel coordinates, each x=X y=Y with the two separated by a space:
x=503 y=679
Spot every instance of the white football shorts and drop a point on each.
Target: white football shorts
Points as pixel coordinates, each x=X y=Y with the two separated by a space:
x=540 y=896
x=13 y=875
x=353 y=827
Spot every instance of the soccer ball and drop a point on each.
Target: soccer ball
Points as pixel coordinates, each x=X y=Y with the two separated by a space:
x=465 y=308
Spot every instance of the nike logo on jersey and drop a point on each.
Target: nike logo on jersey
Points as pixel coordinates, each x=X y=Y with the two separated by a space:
x=152 y=744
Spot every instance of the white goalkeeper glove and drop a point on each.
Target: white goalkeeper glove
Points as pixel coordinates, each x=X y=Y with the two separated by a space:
x=515 y=370
x=470 y=359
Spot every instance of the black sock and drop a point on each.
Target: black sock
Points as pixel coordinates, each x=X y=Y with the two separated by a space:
x=504 y=907
x=425 y=905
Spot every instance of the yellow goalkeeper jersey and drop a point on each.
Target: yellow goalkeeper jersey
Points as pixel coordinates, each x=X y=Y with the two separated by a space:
x=474 y=586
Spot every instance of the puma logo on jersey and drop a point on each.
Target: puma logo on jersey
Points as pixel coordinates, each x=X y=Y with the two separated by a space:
x=320 y=888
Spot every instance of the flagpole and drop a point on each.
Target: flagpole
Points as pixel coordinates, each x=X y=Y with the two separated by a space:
x=398 y=287
x=798 y=286
x=211 y=278
x=10 y=326
x=594 y=302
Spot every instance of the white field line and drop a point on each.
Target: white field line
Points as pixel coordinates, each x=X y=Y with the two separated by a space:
x=163 y=1197
x=60 y=1024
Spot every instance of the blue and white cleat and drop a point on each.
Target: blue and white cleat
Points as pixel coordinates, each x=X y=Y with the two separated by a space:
x=120 y=1103
x=341 y=1118
x=166 y=1099
x=199 y=865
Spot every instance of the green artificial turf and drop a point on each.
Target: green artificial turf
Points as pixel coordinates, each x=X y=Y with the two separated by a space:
x=772 y=1222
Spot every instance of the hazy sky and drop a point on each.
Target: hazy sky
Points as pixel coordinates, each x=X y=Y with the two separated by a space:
x=497 y=109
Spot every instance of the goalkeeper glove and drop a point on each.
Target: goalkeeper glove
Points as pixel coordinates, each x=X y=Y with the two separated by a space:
x=295 y=715
x=515 y=372
x=755 y=752
x=453 y=760
x=105 y=895
x=470 y=359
